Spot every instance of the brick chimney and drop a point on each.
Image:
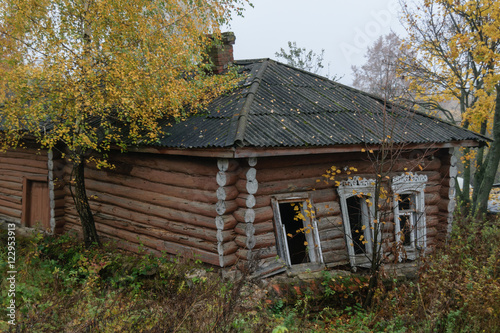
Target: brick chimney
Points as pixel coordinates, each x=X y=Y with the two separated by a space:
x=221 y=55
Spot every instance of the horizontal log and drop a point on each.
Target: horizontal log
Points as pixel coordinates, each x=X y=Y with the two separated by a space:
x=330 y=234
x=327 y=209
x=23 y=162
x=11 y=198
x=431 y=209
x=333 y=245
x=324 y=195
x=11 y=185
x=161 y=200
x=260 y=201
x=9 y=192
x=9 y=219
x=264 y=240
x=148 y=209
x=443 y=205
x=431 y=232
x=286 y=161
x=229 y=247
x=285 y=186
x=335 y=257
x=260 y=228
x=444 y=191
x=190 y=165
x=24 y=169
x=28 y=154
x=431 y=220
x=11 y=178
x=292 y=172
x=207 y=183
x=10 y=204
x=197 y=194
x=208 y=232
x=260 y=254
x=432 y=198
x=160 y=245
x=157 y=233
x=159 y=208
x=261 y=214
x=432 y=188
x=11 y=212
x=329 y=222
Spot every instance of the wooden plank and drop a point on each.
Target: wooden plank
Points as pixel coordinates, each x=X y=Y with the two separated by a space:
x=11 y=198
x=10 y=204
x=16 y=186
x=330 y=234
x=262 y=214
x=11 y=178
x=11 y=212
x=327 y=209
x=161 y=200
x=157 y=233
x=329 y=222
x=198 y=194
x=24 y=162
x=338 y=257
x=333 y=245
x=25 y=169
x=9 y=192
x=202 y=166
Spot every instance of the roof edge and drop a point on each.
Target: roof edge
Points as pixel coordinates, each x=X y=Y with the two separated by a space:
x=244 y=152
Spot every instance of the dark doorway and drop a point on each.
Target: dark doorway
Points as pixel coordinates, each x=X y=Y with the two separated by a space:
x=296 y=243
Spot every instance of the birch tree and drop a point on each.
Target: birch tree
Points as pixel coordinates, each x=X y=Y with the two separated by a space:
x=456 y=56
x=86 y=76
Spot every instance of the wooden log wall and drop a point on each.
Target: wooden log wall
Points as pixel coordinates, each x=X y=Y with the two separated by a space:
x=280 y=175
x=179 y=205
x=29 y=162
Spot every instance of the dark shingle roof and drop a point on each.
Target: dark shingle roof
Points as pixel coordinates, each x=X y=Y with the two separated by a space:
x=280 y=106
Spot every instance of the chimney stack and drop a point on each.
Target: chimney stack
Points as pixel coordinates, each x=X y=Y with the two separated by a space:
x=221 y=55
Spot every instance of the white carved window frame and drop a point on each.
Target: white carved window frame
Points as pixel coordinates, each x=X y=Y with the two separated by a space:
x=358 y=186
x=312 y=237
x=414 y=185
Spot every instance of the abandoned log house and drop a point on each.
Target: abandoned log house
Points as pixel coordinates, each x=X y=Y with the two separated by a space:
x=223 y=186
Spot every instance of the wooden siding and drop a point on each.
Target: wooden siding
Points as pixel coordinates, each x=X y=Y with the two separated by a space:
x=281 y=175
x=18 y=169
x=164 y=203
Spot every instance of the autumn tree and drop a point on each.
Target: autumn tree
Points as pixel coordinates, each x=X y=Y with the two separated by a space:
x=300 y=57
x=86 y=76
x=455 y=50
x=379 y=75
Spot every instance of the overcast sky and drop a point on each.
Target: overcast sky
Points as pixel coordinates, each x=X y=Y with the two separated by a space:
x=343 y=29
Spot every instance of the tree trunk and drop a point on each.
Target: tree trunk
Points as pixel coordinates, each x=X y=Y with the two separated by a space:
x=82 y=204
x=491 y=163
x=480 y=167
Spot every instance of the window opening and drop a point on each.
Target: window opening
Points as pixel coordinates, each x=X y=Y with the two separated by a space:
x=297 y=237
x=355 y=212
x=357 y=215
x=407 y=218
x=409 y=213
x=289 y=213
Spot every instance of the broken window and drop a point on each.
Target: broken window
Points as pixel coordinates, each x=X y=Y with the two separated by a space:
x=409 y=214
x=356 y=204
x=296 y=230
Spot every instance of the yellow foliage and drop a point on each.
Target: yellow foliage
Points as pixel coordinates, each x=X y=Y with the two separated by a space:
x=103 y=73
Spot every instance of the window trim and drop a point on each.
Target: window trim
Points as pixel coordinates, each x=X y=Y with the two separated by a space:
x=314 y=244
x=414 y=185
x=347 y=189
